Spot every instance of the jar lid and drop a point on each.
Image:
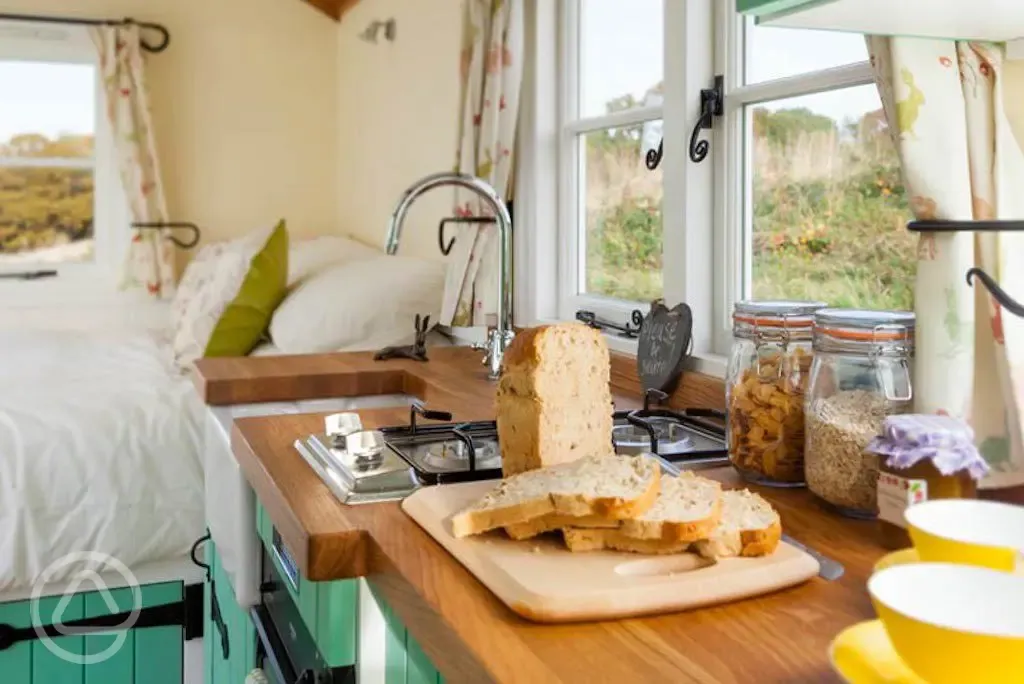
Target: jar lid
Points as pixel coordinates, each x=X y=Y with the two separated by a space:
x=865 y=325
x=779 y=312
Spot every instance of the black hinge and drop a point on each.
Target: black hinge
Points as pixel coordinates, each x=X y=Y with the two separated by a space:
x=712 y=104
x=627 y=330
x=180 y=613
x=218 y=622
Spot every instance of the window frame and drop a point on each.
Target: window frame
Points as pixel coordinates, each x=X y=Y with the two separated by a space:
x=111 y=216
x=572 y=126
x=705 y=205
x=733 y=177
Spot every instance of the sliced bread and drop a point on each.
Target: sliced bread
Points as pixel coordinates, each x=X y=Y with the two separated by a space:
x=612 y=486
x=556 y=521
x=554 y=401
x=749 y=527
x=687 y=509
x=578 y=539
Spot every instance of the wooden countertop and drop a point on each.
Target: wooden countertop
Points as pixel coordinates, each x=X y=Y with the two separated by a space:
x=467 y=633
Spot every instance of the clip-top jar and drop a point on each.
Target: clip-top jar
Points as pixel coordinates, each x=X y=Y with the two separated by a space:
x=861 y=374
x=768 y=370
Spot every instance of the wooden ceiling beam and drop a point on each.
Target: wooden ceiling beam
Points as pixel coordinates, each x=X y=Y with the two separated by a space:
x=335 y=9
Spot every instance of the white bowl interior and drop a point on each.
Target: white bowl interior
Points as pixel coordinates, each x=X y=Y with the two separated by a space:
x=960 y=597
x=968 y=520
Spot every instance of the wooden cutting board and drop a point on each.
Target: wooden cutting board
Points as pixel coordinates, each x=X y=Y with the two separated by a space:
x=543 y=581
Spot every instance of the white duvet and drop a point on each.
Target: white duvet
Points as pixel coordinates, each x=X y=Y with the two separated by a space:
x=100 y=445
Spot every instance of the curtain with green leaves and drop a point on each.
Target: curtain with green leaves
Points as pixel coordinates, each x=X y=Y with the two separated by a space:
x=491 y=72
x=954 y=110
x=150 y=262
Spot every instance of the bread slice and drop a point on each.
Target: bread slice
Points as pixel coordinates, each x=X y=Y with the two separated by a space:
x=554 y=401
x=688 y=508
x=556 y=521
x=578 y=539
x=613 y=487
x=749 y=527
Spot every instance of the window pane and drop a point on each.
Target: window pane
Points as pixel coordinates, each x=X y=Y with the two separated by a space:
x=829 y=206
x=48 y=110
x=621 y=59
x=774 y=52
x=46 y=215
x=622 y=207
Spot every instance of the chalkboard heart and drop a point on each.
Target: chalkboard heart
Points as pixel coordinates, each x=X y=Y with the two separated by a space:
x=663 y=346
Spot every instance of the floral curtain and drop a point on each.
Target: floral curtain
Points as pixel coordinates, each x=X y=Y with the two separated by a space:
x=491 y=69
x=150 y=262
x=954 y=111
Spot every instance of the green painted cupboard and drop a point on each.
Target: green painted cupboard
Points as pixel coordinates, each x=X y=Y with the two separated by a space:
x=152 y=655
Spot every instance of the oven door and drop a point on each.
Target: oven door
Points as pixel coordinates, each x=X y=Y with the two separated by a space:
x=285 y=649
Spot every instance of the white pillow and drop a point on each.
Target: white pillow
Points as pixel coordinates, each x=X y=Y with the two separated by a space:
x=309 y=257
x=359 y=306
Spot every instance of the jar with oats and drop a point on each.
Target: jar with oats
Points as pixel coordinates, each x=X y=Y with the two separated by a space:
x=764 y=389
x=861 y=374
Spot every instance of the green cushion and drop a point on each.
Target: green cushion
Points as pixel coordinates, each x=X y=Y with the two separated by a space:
x=244 y=322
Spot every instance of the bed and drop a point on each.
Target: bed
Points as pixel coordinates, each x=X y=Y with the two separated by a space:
x=101 y=450
x=102 y=434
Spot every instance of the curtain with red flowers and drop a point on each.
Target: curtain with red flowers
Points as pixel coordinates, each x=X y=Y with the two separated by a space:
x=150 y=262
x=491 y=70
x=956 y=112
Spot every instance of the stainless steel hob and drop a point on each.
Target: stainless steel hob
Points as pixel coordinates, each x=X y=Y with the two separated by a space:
x=367 y=466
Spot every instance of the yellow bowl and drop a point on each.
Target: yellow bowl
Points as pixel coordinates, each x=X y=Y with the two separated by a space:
x=953 y=624
x=863 y=654
x=968 y=531
x=901 y=557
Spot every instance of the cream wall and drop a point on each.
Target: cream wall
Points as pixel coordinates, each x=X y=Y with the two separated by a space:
x=244 y=105
x=397 y=117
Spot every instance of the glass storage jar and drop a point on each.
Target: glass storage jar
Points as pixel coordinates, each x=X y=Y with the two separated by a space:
x=764 y=389
x=861 y=374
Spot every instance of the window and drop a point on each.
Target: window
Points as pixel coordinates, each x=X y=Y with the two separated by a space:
x=61 y=203
x=800 y=197
x=611 y=119
x=808 y=193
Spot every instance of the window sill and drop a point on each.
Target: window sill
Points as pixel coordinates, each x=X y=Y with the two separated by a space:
x=707 y=363
x=714 y=365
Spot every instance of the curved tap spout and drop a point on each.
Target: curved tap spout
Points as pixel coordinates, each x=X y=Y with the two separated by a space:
x=499 y=338
x=1007 y=302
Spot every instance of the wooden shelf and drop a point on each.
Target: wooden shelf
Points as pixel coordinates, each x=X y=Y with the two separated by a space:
x=335 y=9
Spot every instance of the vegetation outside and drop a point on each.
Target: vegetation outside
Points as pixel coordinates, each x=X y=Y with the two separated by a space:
x=829 y=213
x=43 y=207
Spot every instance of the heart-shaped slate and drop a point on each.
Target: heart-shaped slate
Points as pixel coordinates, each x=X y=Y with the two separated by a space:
x=664 y=344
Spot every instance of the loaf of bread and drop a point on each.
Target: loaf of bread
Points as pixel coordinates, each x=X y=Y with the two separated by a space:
x=554 y=403
x=580 y=539
x=688 y=508
x=749 y=527
x=608 y=486
x=556 y=521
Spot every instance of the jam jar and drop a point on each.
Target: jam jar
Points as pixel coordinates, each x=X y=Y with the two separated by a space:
x=768 y=370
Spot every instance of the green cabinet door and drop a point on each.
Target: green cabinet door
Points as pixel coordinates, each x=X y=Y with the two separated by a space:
x=151 y=655
x=228 y=665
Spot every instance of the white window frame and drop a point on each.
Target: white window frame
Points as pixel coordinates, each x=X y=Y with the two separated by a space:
x=705 y=206
x=733 y=177
x=546 y=239
x=111 y=217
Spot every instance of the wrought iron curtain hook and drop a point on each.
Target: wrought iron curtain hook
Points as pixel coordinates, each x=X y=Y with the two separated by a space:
x=711 y=105
x=165 y=35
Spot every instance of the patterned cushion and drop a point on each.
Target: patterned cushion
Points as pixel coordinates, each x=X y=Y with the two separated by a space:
x=206 y=294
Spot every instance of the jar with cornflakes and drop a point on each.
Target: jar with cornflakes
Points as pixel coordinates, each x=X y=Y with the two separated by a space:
x=768 y=371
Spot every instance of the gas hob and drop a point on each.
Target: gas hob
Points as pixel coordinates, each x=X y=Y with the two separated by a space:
x=369 y=466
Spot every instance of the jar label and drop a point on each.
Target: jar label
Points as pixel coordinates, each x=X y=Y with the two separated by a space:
x=896 y=493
